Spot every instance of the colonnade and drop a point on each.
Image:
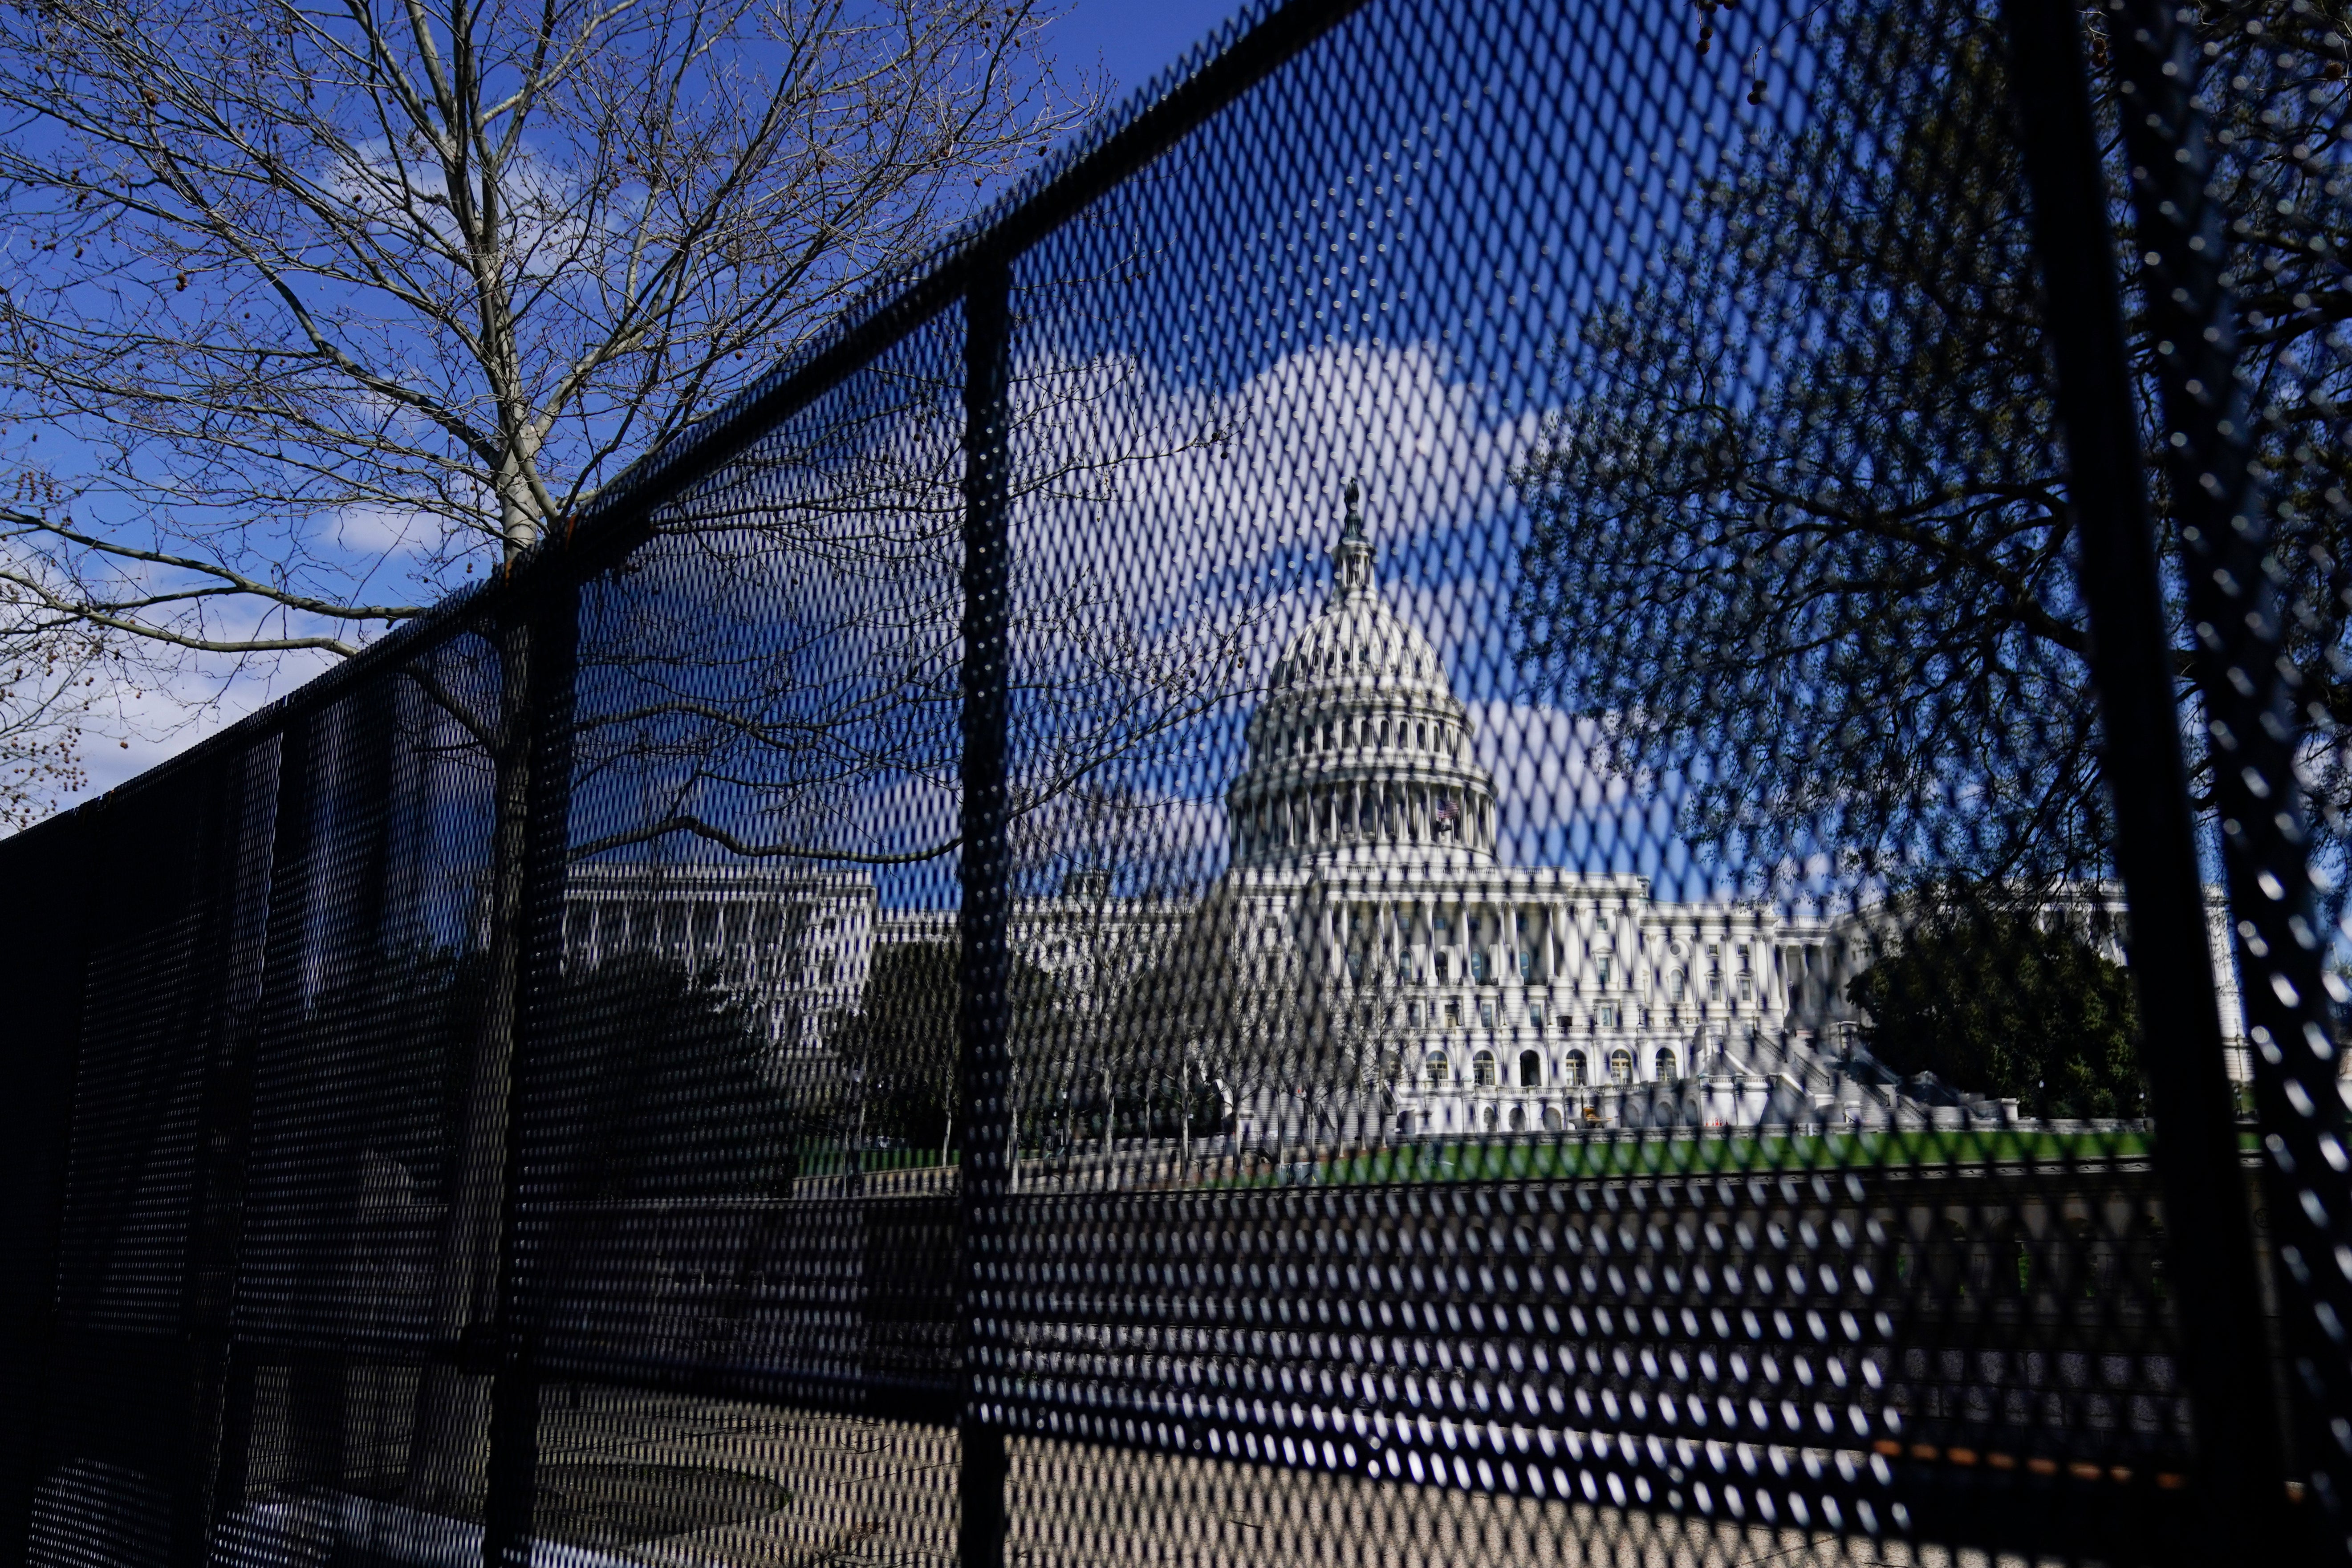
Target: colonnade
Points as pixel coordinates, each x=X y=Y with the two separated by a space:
x=1368 y=810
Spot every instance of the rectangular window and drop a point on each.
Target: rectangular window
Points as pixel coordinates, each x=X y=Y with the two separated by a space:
x=1486 y=1015
x=1453 y=1014
x=1607 y=1017
x=1536 y=1014
x=1600 y=968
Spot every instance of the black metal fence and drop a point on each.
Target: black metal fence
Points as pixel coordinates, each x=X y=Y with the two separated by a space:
x=1534 y=781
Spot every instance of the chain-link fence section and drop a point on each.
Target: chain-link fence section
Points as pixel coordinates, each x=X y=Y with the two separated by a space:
x=1530 y=782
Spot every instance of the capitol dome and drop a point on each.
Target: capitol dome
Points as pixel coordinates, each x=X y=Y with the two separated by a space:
x=1360 y=751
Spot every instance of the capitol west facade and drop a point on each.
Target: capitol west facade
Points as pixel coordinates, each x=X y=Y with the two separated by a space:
x=1364 y=872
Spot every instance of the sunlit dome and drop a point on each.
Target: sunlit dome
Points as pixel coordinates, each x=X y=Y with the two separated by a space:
x=1356 y=640
x=1361 y=751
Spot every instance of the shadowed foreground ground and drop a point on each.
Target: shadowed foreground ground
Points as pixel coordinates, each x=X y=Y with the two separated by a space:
x=685 y=1483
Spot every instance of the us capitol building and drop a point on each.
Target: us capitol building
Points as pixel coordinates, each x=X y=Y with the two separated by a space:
x=1365 y=879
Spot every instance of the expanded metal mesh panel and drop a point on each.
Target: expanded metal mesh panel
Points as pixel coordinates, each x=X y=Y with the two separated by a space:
x=2238 y=197
x=1409 y=827
x=363 y=1010
x=1520 y=609
x=743 y=1083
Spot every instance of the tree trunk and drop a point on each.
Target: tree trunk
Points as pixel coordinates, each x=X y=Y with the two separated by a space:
x=1183 y=1116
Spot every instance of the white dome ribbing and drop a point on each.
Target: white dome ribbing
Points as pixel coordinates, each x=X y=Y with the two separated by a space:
x=1360 y=751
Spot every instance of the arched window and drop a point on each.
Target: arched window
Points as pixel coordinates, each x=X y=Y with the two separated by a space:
x=1572 y=1073
x=1482 y=1070
x=1437 y=1070
x=1404 y=1122
x=1621 y=1067
x=1674 y=986
x=1666 y=1064
x=1531 y=1069
x=1518 y=1118
x=1551 y=1118
x=1489 y=1118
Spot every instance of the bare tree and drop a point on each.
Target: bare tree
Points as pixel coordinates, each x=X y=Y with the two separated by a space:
x=345 y=304
x=55 y=678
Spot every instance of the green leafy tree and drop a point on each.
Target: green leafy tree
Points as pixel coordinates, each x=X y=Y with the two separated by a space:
x=897 y=1053
x=656 y=1083
x=895 y=1058
x=648 y=1080
x=1995 y=1003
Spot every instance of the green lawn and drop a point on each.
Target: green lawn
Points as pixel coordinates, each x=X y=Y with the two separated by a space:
x=1628 y=1154
x=1705 y=1153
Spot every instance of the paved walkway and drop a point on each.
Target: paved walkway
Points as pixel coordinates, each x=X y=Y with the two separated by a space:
x=866 y=1492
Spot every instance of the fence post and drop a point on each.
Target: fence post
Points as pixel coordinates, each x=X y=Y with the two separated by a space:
x=984 y=1014
x=239 y=1027
x=510 y=1472
x=2209 y=1230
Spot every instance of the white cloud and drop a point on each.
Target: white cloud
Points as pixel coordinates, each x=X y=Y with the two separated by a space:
x=382 y=530
x=1226 y=503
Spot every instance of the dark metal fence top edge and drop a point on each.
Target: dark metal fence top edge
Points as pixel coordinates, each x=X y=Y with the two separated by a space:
x=1251 y=46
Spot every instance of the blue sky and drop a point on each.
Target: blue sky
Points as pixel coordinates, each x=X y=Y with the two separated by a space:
x=1133 y=39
